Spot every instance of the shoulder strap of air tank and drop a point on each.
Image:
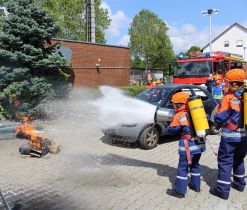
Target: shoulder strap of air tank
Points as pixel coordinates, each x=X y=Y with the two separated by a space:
x=241 y=115
x=192 y=129
x=187 y=150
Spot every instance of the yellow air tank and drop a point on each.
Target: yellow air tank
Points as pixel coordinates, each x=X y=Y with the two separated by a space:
x=198 y=115
x=245 y=109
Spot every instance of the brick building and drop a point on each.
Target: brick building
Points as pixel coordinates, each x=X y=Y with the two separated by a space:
x=93 y=65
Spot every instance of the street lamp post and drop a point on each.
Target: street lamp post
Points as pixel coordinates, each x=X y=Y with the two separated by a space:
x=244 y=54
x=210 y=12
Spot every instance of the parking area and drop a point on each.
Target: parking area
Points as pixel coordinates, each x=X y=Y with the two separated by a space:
x=90 y=174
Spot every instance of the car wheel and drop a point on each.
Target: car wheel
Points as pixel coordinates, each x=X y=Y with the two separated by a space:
x=149 y=138
x=214 y=130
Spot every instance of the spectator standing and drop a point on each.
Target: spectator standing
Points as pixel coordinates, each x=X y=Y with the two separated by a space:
x=149 y=84
x=217 y=89
x=164 y=79
x=209 y=82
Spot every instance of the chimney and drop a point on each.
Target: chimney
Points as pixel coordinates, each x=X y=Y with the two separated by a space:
x=90 y=20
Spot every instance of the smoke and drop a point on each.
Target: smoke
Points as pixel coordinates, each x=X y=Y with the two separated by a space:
x=115 y=108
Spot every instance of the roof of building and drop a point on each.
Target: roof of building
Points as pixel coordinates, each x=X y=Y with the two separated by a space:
x=76 y=41
x=233 y=25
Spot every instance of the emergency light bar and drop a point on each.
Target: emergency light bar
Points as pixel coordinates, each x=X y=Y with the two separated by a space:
x=217 y=54
x=194 y=55
x=233 y=55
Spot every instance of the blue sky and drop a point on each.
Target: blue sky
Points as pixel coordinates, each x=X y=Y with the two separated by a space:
x=187 y=26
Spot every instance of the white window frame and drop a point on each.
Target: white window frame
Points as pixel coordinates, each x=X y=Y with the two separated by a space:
x=239 y=43
x=226 y=44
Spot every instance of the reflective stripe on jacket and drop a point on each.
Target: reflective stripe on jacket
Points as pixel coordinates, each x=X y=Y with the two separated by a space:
x=228 y=115
x=180 y=125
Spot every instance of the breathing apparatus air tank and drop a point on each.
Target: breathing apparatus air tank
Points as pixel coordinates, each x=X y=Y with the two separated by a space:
x=198 y=116
x=245 y=109
x=163 y=115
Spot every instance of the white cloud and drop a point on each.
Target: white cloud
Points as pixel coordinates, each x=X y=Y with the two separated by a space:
x=182 y=38
x=119 y=22
x=188 y=28
x=187 y=35
x=124 y=41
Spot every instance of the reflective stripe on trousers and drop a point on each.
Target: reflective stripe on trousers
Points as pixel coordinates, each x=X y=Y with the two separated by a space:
x=182 y=173
x=233 y=135
x=230 y=156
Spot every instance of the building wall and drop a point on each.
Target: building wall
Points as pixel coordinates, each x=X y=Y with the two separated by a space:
x=232 y=36
x=113 y=64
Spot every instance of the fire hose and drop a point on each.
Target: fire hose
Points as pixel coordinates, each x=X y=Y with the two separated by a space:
x=211 y=146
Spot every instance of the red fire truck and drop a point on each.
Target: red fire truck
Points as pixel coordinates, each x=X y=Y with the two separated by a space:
x=196 y=68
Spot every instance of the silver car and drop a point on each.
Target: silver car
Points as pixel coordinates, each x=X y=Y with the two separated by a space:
x=148 y=134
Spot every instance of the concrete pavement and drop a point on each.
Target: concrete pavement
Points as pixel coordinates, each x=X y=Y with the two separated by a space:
x=89 y=174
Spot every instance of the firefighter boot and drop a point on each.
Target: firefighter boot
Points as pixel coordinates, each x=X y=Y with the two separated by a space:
x=193 y=188
x=213 y=191
x=234 y=186
x=174 y=193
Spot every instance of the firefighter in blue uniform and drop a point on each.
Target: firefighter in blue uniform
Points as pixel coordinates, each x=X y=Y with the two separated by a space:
x=217 y=89
x=233 y=144
x=190 y=149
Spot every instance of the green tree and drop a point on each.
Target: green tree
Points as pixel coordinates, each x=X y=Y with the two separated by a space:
x=149 y=40
x=30 y=67
x=70 y=16
x=137 y=63
x=192 y=49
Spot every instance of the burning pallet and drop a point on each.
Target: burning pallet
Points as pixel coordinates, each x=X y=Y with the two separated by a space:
x=38 y=145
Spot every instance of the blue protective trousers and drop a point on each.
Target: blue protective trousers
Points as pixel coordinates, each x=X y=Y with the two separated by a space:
x=231 y=157
x=182 y=173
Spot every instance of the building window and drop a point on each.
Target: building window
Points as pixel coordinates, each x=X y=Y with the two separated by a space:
x=226 y=44
x=240 y=43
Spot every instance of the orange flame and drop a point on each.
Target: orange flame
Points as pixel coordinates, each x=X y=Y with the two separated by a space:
x=28 y=131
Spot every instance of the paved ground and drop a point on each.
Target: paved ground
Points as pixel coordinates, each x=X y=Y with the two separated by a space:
x=89 y=174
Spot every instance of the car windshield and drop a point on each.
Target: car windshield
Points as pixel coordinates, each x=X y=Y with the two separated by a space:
x=153 y=95
x=190 y=69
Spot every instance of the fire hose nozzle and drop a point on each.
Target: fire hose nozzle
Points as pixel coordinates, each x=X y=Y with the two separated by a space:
x=163 y=115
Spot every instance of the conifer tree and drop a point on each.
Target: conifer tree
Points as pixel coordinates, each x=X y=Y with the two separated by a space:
x=30 y=67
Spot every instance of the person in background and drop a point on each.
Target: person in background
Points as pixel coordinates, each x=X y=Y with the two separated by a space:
x=209 y=82
x=233 y=144
x=245 y=83
x=217 y=89
x=190 y=149
x=149 y=84
x=164 y=79
x=154 y=83
x=158 y=82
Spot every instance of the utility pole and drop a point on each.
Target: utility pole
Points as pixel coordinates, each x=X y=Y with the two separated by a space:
x=210 y=12
x=90 y=20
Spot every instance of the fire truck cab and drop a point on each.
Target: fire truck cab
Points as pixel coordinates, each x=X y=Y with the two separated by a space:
x=196 y=68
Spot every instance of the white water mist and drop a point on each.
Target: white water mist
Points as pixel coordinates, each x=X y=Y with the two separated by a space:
x=114 y=107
